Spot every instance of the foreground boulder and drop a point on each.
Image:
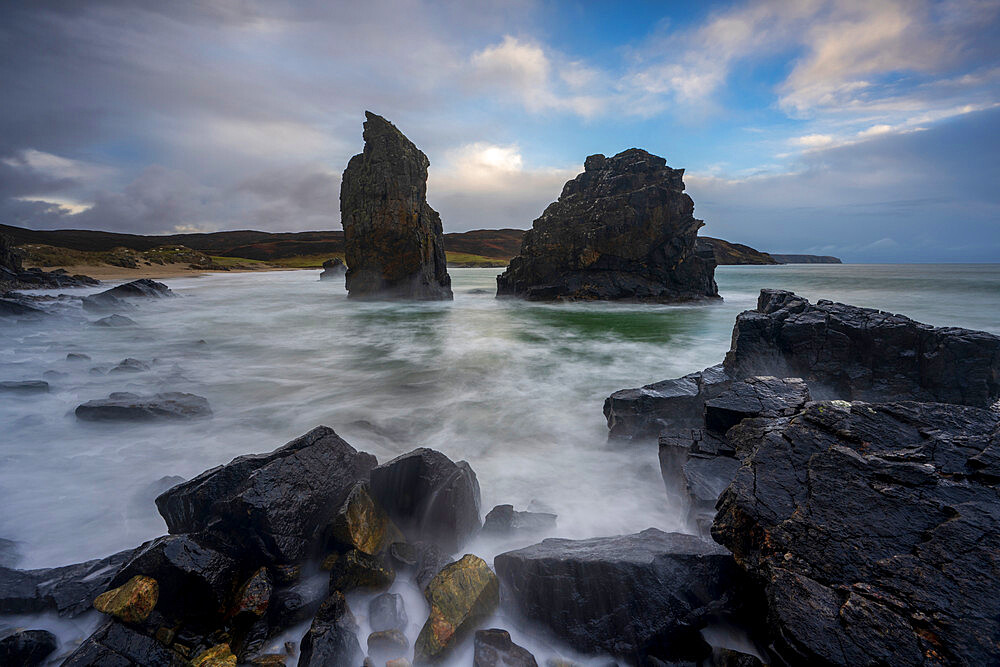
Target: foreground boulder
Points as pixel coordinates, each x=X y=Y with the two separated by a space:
x=131 y=602
x=874 y=529
x=117 y=644
x=850 y=353
x=623 y=229
x=461 y=596
x=332 y=637
x=634 y=596
x=495 y=649
x=430 y=497
x=393 y=241
x=273 y=505
x=333 y=268
x=126 y=406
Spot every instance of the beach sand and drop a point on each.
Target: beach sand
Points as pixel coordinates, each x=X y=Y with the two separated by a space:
x=154 y=271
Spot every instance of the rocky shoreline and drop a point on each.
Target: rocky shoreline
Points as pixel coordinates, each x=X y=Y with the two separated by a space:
x=843 y=531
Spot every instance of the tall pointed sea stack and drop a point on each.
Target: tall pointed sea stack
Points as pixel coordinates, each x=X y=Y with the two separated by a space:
x=623 y=229
x=392 y=239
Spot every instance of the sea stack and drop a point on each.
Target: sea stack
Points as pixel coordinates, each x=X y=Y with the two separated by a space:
x=393 y=241
x=622 y=230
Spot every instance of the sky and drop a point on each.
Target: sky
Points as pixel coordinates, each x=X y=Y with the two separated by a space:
x=865 y=129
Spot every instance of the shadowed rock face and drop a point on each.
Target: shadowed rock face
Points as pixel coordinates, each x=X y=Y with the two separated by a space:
x=623 y=229
x=393 y=240
x=874 y=529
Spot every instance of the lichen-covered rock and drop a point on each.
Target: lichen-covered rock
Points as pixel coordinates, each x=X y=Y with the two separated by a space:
x=393 y=241
x=358 y=570
x=362 y=524
x=851 y=353
x=271 y=505
x=622 y=229
x=332 y=637
x=494 y=648
x=220 y=655
x=27 y=648
x=129 y=407
x=430 y=497
x=461 y=596
x=634 y=596
x=131 y=602
x=875 y=530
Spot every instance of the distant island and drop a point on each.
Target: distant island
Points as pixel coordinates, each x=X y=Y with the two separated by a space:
x=246 y=249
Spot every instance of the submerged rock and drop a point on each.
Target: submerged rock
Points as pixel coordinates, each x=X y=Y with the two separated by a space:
x=332 y=637
x=874 y=529
x=27 y=648
x=503 y=521
x=387 y=645
x=125 y=406
x=24 y=387
x=494 y=648
x=634 y=596
x=333 y=268
x=143 y=288
x=115 y=321
x=461 y=596
x=273 y=505
x=393 y=241
x=851 y=353
x=387 y=612
x=622 y=229
x=430 y=497
x=358 y=570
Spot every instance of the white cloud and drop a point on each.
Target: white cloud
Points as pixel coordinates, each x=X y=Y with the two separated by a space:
x=813 y=140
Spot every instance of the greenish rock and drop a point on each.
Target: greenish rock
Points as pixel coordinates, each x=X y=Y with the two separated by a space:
x=461 y=596
x=362 y=524
x=217 y=656
x=358 y=570
x=131 y=602
x=387 y=645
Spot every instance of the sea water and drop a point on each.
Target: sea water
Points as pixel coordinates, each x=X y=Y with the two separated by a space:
x=514 y=388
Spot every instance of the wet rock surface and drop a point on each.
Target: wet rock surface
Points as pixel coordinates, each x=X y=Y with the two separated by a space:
x=126 y=406
x=851 y=353
x=430 y=497
x=332 y=637
x=393 y=240
x=634 y=596
x=873 y=528
x=494 y=648
x=387 y=612
x=138 y=289
x=273 y=505
x=504 y=521
x=622 y=229
x=121 y=646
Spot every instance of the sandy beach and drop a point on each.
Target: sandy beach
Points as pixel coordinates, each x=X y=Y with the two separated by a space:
x=154 y=271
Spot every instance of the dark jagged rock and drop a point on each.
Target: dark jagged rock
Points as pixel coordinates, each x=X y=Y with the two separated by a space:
x=76 y=356
x=755 y=397
x=118 y=645
x=623 y=229
x=393 y=240
x=115 y=320
x=12 y=305
x=874 y=529
x=105 y=303
x=429 y=497
x=24 y=387
x=68 y=590
x=130 y=366
x=461 y=596
x=387 y=612
x=850 y=353
x=332 y=637
x=638 y=595
x=362 y=524
x=197 y=583
x=27 y=648
x=333 y=268
x=357 y=570
x=14 y=276
x=424 y=559
x=143 y=289
x=644 y=412
x=125 y=406
x=272 y=504
x=494 y=648
x=297 y=602
x=503 y=521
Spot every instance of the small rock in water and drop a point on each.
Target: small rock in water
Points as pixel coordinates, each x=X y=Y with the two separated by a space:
x=139 y=288
x=494 y=648
x=130 y=366
x=115 y=321
x=503 y=521
x=76 y=356
x=27 y=648
x=333 y=268
x=25 y=387
x=387 y=645
x=386 y=612
x=125 y=406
